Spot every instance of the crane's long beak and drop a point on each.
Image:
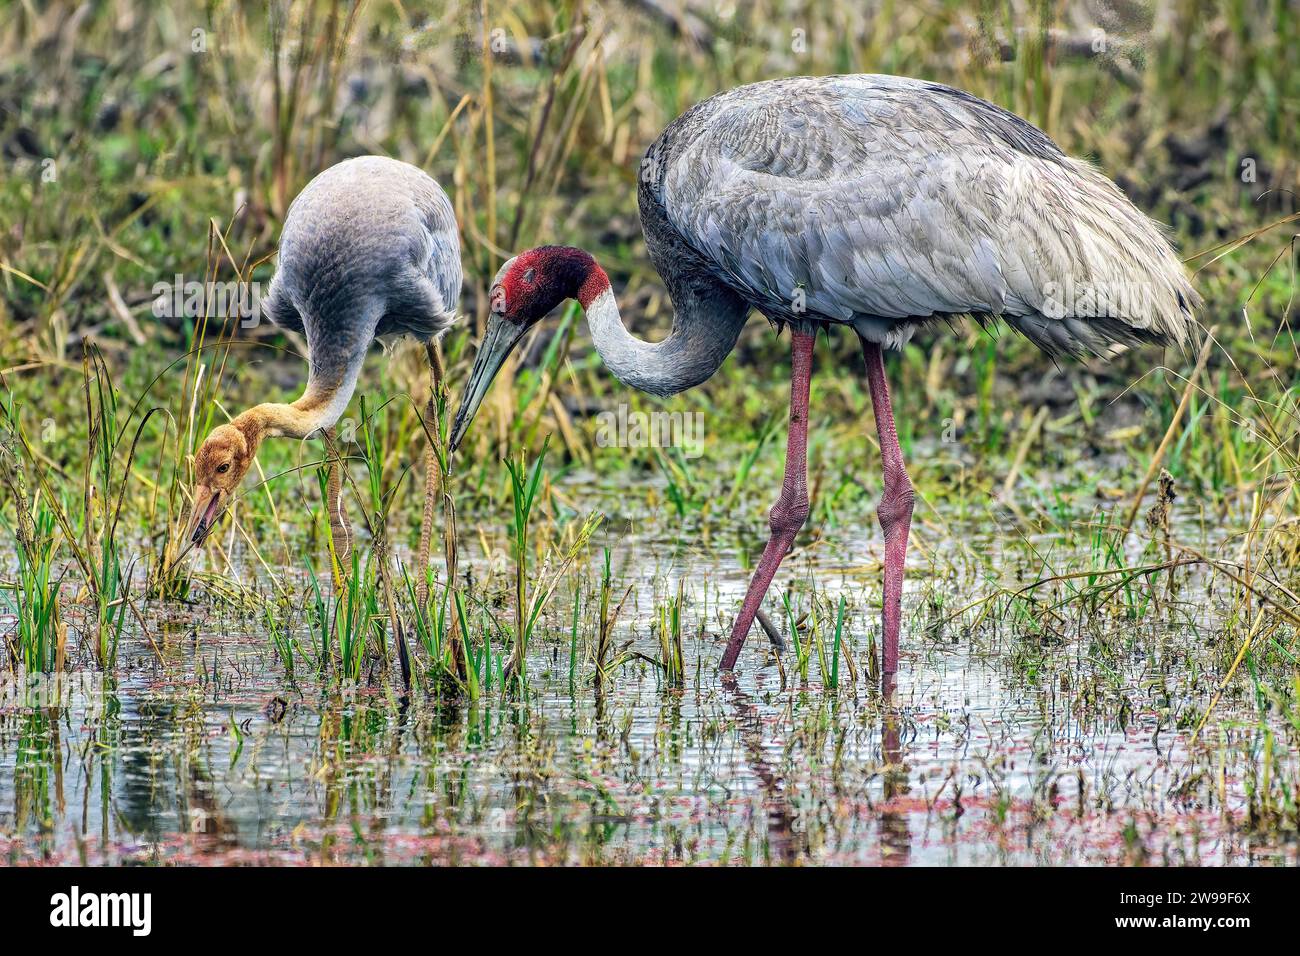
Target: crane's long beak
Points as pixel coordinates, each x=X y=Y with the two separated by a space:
x=501 y=336
x=207 y=504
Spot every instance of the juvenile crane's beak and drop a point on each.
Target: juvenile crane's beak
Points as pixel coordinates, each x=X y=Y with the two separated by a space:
x=207 y=504
x=501 y=336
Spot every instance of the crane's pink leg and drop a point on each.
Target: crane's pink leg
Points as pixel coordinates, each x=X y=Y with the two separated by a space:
x=791 y=509
x=895 y=511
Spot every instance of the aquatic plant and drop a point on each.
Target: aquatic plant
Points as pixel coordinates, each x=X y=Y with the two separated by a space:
x=530 y=601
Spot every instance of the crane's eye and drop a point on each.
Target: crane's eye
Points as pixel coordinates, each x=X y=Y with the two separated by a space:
x=222 y=469
x=530 y=275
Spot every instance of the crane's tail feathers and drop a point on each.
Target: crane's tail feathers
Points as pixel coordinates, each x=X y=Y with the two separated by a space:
x=1104 y=336
x=279 y=307
x=1096 y=273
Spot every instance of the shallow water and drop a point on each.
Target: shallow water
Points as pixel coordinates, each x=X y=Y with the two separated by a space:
x=997 y=745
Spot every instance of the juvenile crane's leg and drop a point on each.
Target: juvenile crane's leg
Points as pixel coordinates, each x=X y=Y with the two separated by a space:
x=340 y=530
x=895 y=511
x=430 y=474
x=791 y=508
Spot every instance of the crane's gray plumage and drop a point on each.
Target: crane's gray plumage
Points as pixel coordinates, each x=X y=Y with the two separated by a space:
x=877 y=202
x=884 y=202
x=369 y=248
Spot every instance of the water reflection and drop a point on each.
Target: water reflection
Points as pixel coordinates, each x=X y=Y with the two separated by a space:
x=991 y=746
x=895 y=832
x=783 y=837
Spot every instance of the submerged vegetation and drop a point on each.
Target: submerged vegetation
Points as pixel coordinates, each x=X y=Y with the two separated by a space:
x=1100 y=651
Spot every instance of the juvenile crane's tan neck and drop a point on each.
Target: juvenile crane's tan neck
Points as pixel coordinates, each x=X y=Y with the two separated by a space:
x=301 y=419
x=320 y=406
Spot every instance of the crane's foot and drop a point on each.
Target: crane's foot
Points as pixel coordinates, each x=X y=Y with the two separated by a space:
x=895 y=511
x=773 y=633
x=791 y=509
x=895 y=517
x=786 y=521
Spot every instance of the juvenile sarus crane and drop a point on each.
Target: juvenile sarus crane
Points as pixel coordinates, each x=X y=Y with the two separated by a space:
x=875 y=202
x=369 y=248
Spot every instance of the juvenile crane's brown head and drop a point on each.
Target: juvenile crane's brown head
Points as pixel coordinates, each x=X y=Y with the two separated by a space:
x=220 y=465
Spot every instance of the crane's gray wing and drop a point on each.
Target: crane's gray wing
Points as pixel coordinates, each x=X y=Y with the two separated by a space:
x=422 y=297
x=369 y=229
x=441 y=256
x=279 y=307
x=882 y=202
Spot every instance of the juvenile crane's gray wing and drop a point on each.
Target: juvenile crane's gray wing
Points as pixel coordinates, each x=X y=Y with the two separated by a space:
x=368 y=235
x=883 y=202
x=369 y=247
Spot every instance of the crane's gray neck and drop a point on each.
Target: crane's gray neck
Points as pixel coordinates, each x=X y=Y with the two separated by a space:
x=706 y=325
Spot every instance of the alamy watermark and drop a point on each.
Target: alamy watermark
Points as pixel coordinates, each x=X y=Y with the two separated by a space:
x=625 y=428
x=194 y=300
x=1102 y=300
x=73 y=909
x=85 y=689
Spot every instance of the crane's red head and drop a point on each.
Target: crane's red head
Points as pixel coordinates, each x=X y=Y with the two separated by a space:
x=531 y=284
x=523 y=293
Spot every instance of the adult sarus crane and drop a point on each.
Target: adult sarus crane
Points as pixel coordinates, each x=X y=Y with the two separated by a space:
x=369 y=248
x=876 y=202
